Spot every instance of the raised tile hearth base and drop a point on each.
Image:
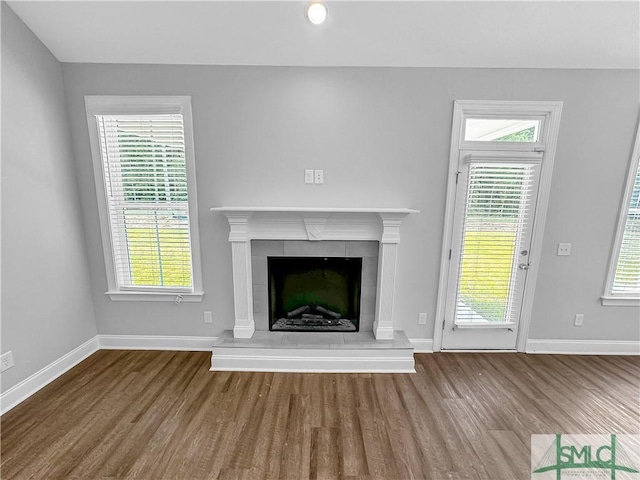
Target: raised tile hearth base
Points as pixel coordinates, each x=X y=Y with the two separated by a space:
x=313 y=352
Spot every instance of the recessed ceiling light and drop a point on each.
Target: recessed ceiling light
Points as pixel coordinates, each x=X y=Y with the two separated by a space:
x=317 y=12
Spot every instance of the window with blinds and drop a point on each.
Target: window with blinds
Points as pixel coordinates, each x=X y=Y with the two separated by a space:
x=143 y=159
x=142 y=150
x=626 y=279
x=498 y=208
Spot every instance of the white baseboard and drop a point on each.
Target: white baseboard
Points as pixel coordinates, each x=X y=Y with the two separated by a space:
x=312 y=361
x=155 y=342
x=422 y=345
x=583 y=347
x=46 y=375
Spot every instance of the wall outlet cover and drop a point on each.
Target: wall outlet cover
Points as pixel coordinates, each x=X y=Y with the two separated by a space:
x=6 y=361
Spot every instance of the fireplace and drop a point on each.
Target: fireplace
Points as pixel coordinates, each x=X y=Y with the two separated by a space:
x=314 y=294
x=311 y=225
x=357 y=247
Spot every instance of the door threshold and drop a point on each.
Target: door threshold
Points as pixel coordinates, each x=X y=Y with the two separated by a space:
x=478 y=350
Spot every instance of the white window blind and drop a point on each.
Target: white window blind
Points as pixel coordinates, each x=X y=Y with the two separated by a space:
x=626 y=280
x=497 y=209
x=143 y=160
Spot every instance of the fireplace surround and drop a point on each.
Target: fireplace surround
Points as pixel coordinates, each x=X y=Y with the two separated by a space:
x=312 y=225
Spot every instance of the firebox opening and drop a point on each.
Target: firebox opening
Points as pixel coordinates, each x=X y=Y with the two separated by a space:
x=314 y=293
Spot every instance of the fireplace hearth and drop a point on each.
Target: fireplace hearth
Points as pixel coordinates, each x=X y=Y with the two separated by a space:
x=314 y=294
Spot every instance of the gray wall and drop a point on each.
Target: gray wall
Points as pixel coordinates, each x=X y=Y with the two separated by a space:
x=382 y=137
x=47 y=307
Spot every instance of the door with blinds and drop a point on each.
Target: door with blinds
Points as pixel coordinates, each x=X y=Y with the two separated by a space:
x=495 y=206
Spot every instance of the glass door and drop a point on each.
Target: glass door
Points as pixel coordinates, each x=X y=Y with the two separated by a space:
x=489 y=258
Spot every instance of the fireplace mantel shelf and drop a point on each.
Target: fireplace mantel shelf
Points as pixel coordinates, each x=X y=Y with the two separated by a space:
x=405 y=211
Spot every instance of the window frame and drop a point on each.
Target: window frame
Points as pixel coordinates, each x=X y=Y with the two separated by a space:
x=609 y=298
x=145 y=105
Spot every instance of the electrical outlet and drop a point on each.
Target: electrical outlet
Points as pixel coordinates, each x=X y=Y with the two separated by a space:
x=308 y=176
x=6 y=361
x=564 y=249
x=208 y=317
x=579 y=318
x=319 y=176
x=422 y=319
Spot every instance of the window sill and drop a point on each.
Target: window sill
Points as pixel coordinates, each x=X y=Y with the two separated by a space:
x=620 y=301
x=156 y=297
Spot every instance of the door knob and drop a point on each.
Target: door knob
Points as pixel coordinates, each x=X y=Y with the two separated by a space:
x=523 y=266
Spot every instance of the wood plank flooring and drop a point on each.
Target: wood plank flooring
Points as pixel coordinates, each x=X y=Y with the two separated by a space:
x=163 y=415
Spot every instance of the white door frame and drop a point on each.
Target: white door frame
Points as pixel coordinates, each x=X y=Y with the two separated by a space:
x=549 y=113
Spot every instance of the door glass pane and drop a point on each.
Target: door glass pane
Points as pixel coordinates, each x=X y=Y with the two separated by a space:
x=501 y=130
x=496 y=213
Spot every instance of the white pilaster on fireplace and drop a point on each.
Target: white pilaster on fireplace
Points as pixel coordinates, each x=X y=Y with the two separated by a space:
x=242 y=290
x=313 y=224
x=387 y=259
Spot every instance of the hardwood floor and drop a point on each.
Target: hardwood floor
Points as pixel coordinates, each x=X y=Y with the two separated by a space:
x=163 y=415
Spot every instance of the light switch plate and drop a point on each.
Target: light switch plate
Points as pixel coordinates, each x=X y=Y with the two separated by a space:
x=308 y=176
x=319 y=176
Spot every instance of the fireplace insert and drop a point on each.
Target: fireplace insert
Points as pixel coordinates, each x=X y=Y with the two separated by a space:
x=314 y=293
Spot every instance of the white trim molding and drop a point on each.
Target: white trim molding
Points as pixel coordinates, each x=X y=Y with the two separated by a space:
x=583 y=347
x=156 y=297
x=422 y=345
x=611 y=301
x=23 y=390
x=155 y=342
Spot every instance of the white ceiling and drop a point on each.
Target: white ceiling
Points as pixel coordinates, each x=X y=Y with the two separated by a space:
x=500 y=34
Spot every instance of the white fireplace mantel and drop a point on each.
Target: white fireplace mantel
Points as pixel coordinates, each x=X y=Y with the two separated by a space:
x=313 y=224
